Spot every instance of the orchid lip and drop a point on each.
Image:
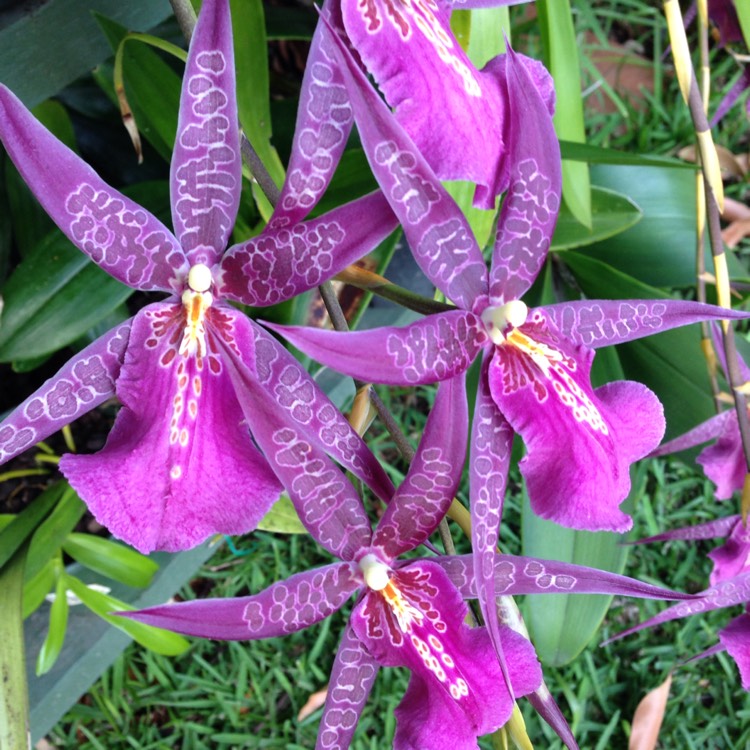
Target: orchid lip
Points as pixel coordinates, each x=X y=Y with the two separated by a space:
x=199 y=278
x=196 y=299
x=500 y=320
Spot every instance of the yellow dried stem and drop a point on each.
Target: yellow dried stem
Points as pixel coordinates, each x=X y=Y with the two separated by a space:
x=680 y=49
x=745 y=506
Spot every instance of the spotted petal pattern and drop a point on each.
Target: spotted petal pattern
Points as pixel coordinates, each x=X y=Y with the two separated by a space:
x=83 y=383
x=116 y=233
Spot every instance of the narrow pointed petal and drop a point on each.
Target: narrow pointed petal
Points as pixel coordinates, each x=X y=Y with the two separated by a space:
x=724 y=462
x=456 y=692
x=704 y=432
x=179 y=464
x=735 y=638
x=434 y=348
x=327 y=503
x=515 y=575
x=283 y=262
x=597 y=323
x=287 y=383
x=324 y=121
x=206 y=171
x=732 y=559
x=284 y=607
x=352 y=677
x=437 y=231
x=84 y=382
x=546 y=706
x=717 y=338
x=724 y=594
x=470 y=4
x=116 y=233
x=489 y=460
x=423 y=498
x=585 y=439
x=710 y=530
x=531 y=205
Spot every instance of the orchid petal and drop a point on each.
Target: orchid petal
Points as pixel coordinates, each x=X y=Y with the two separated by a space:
x=583 y=438
x=456 y=692
x=86 y=381
x=470 y=4
x=710 y=530
x=530 y=208
x=283 y=262
x=717 y=337
x=206 y=170
x=438 y=233
x=327 y=503
x=733 y=557
x=179 y=464
x=324 y=121
x=423 y=498
x=546 y=706
x=352 y=677
x=295 y=392
x=515 y=575
x=434 y=348
x=708 y=430
x=724 y=462
x=284 y=607
x=117 y=234
x=597 y=323
x=724 y=594
x=489 y=460
x=441 y=100
x=735 y=638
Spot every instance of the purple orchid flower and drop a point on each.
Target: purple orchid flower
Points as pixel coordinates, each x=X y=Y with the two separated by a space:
x=179 y=464
x=457 y=115
x=408 y=612
x=734 y=638
x=730 y=560
x=723 y=462
x=535 y=364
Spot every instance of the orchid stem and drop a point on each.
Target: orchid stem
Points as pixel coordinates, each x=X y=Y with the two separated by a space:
x=185 y=15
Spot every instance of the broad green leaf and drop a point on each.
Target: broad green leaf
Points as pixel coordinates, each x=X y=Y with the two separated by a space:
x=6 y=226
x=28 y=220
x=58 y=624
x=152 y=88
x=56 y=119
x=561 y=52
x=599 y=155
x=660 y=249
x=282 y=518
x=23 y=525
x=14 y=697
x=36 y=588
x=743 y=14
x=50 y=534
x=671 y=363
x=611 y=213
x=251 y=62
x=111 y=559
x=156 y=639
x=486 y=39
x=480 y=221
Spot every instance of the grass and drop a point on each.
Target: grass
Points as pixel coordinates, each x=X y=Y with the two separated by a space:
x=248 y=695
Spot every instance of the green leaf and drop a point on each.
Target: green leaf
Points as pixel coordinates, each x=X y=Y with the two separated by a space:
x=282 y=518
x=152 y=88
x=36 y=588
x=58 y=624
x=660 y=249
x=48 y=538
x=111 y=559
x=671 y=363
x=24 y=524
x=743 y=14
x=156 y=639
x=56 y=119
x=561 y=625
x=253 y=97
x=611 y=213
x=600 y=155
x=14 y=697
x=561 y=51
x=480 y=221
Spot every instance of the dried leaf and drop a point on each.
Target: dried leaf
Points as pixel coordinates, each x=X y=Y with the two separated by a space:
x=314 y=702
x=648 y=717
x=731 y=165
